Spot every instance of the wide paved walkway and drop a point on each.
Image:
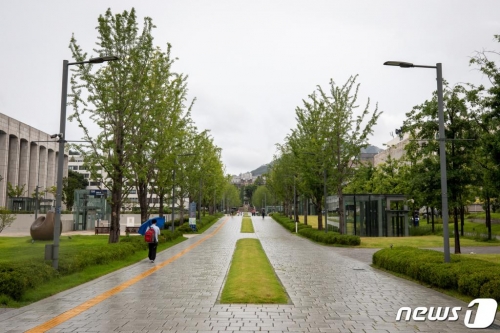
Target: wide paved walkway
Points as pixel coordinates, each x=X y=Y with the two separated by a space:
x=329 y=292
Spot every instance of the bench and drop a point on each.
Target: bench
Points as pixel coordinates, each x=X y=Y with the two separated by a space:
x=132 y=230
x=101 y=230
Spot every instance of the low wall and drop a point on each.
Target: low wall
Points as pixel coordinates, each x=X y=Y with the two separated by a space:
x=23 y=222
x=483 y=221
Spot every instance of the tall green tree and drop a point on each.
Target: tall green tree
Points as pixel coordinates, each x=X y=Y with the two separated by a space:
x=15 y=191
x=6 y=218
x=261 y=196
x=167 y=139
x=280 y=176
x=460 y=135
x=329 y=130
x=231 y=196
x=114 y=97
x=162 y=120
x=487 y=106
x=74 y=181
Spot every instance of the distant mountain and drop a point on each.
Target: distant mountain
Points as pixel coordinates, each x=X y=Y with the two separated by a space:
x=260 y=170
x=368 y=150
x=371 y=150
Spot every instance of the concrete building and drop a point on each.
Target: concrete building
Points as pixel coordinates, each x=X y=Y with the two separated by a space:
x=395 y=149
x=131 y=201
x=28 y=157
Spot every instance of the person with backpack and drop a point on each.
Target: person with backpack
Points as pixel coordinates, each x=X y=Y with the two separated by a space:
x=151 y=237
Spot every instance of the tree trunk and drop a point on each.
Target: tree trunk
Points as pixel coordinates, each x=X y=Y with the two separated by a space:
x=320 y=216
x=342 y=226
x=142 y=193
x=457 y=235
x=432 y=216
x=181 y=216
x=488 y=216
x=114 y=226
x=427 y=215
x=462 y=220
x=160 y=209
x=117 y=187
x=306 y=210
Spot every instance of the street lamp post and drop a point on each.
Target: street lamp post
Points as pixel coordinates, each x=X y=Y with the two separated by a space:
x=265 y=201
x=442 y=149
x=295 y=205
x=60 y=160
x=326 y=209
x=173 y=188
x=199 y=205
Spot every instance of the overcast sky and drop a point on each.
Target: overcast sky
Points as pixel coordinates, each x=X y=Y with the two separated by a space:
x=250 y=63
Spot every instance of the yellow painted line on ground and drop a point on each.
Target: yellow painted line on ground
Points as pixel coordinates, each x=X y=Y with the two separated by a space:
x=99 y=298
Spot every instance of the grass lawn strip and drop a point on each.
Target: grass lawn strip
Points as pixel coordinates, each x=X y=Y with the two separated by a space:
x=13 y=245
x=418 y=241
x=251 y=278
x=246 y=225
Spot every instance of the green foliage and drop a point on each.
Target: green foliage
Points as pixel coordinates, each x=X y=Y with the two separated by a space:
x=17 y=277
x=317 y=235
x=424 y=230
x=140 y=105
x=261 y=196
x=471 y=277
x=249 y=191
x=286 y=222
x=231 y=196
x=330 y=237
x=15 y=191
x=74 y=181
x=247 y=225
x=325 y=145
x=206 y=221
x=251 y=278
x=6 y=218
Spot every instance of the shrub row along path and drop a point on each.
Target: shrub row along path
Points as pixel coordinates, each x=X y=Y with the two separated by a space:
x=330 y=292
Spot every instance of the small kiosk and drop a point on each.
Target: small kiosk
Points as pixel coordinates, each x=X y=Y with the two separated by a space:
x=376 y=215
x=91 y=209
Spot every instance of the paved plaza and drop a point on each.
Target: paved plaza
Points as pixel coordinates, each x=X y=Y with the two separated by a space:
x=330 y=290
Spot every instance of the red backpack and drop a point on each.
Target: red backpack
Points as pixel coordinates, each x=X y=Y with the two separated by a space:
x=149 y=236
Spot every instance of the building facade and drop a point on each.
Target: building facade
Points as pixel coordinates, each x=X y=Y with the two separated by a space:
x=395 y=149
x=28 y=157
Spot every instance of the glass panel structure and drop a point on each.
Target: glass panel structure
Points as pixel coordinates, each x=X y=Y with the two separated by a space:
x=376 y=215
x=90 y=207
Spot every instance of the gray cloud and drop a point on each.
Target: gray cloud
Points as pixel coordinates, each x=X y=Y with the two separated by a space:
x=251 y=63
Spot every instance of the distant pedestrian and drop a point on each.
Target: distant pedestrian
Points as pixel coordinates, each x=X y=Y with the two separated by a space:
x=154 y=245
x=263 y=212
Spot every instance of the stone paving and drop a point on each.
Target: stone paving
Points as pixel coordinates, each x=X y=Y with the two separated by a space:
x=330 y=290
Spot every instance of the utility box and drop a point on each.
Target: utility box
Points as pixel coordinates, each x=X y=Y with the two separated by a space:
x=49 y=250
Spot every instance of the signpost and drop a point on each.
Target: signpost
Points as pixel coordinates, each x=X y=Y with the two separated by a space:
x=192 y=215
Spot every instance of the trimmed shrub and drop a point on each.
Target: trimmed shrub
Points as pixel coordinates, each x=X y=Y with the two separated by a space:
x=424 y=230
x=469 y=276
x=491 y=289
x=205 y=220
x=16 y=278
x=320 y=236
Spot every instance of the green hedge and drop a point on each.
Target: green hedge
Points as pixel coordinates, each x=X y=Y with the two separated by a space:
x=330 y=237
x=205 y=220
x=469 y=276
x=288 y=223
x=16 y=278
x=317 y=235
